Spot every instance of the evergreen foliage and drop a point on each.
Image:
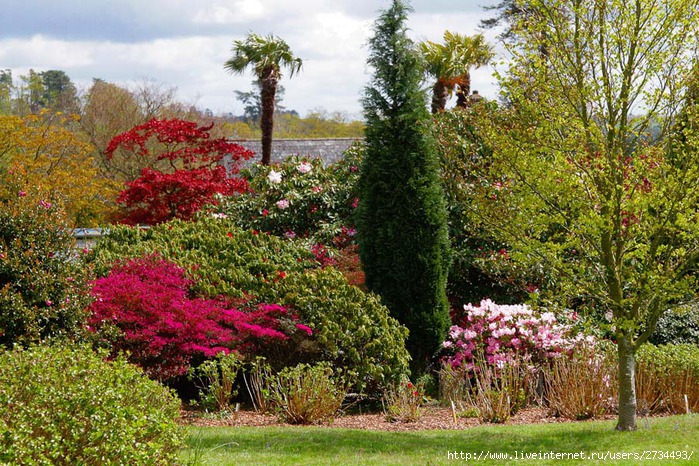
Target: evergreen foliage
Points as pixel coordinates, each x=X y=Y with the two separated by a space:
x=402 y=221
x=43 y=287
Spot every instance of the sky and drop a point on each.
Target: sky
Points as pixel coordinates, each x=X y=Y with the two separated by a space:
x=184 y=44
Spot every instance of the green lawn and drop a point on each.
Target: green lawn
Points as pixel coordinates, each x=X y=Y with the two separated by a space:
x=323 y=446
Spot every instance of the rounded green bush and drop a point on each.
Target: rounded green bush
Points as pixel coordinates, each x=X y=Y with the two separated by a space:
x=351 y=329
x=297 y=197
x=677 y=326
x=67 y=406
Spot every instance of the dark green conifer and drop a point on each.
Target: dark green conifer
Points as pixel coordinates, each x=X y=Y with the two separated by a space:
x=401 y=219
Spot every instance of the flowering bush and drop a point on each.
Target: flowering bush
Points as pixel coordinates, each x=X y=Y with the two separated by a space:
x=43 y=288
x=403 y=402
x=163 y=328
x=350 y=328
x=499 y=331
x=299 y=197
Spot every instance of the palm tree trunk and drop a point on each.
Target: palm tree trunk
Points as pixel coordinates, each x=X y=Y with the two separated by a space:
x=440 y=93
x=627 y=384
x=463 y=90
x=268 y=90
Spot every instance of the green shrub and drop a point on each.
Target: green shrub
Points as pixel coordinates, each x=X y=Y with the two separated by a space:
x=677 y=326
x=306 y=394
x=664 y=376
x=43 y=288
x=350 y=328
x=222 y=258
x=216 y=380
x=67 y=406
x=403 y=401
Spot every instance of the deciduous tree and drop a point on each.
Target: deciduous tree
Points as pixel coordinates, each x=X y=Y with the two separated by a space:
x=45 y=151
x=179 y=169
x=588 y=182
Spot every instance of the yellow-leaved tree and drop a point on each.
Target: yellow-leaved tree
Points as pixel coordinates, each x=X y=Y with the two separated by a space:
x=45 y=152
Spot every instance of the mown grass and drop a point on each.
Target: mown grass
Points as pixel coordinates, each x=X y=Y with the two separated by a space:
x=219 y=446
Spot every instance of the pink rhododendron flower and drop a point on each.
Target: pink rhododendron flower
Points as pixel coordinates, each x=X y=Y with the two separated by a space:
x=163 y=327
x=305 y=328
x=304 y=167
x=283 y=204
x=500 y=331
x=274 y=177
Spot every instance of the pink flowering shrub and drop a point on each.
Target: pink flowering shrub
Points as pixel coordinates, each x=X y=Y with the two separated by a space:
x=501 y=331
x=144 y=306
x=297 y=198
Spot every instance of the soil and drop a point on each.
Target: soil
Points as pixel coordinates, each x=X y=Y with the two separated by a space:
x=432 y=418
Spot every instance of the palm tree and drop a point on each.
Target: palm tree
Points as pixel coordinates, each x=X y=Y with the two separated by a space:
x=451 y=63
x=267 y=56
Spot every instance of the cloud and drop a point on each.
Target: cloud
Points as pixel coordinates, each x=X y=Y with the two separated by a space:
x=184 y=43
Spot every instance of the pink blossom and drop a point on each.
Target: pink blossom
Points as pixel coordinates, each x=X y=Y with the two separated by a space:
x=22 y=194
x=283 y=204
x=304 y=167
x=274 y=177
x=500 y=330
x=305 y=328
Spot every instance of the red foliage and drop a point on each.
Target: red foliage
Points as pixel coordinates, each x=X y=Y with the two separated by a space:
x=348 y=263
x=157 y=197
x=192 y=176
x=163 y=328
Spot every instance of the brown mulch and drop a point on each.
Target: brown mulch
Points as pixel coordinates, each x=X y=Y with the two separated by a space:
x=433 y=418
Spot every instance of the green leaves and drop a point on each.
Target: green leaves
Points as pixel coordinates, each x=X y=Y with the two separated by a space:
x=66 y=405
x=244 y=266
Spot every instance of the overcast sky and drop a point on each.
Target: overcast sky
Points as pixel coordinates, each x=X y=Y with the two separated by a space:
x=184 y=43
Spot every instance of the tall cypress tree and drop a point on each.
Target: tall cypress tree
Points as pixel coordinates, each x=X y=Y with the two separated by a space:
x=402 y=219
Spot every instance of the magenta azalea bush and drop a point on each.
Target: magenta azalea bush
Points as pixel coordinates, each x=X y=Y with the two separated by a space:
x=144 y=307
x=501 y=331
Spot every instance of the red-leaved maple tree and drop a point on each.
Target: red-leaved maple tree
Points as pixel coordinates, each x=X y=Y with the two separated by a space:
x=179 y=167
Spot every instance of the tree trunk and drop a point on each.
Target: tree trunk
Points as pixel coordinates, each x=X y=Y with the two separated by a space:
x=440 y=94
x=268 y=89
x=627 y=384
x=463 y=89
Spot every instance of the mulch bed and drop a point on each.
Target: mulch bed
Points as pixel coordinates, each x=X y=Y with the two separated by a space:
x=433 y=418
